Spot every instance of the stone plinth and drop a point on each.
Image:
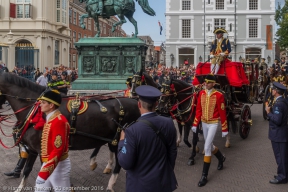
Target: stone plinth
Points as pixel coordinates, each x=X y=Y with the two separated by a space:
x=106 y=63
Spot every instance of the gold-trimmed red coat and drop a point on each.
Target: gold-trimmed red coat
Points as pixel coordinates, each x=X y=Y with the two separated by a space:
x=127 y=92
x=210 y=108
x=54 y=143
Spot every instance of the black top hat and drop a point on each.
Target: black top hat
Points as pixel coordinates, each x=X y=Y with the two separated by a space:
x=219 y=30
x=279 y=86
x=148 y=93
x=52 y=96
x=210 y=79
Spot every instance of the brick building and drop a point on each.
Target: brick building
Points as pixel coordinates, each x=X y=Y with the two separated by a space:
x=76 y=9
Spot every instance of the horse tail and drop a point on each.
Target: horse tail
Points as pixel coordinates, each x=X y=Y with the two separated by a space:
x=144 y=4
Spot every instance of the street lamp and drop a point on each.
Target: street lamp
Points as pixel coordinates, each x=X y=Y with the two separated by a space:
x=172 y=58
x=268 y=59
x=200 y=58
x=240 y=58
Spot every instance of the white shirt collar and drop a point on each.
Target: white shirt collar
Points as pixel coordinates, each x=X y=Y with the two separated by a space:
x=278 y=97
x=50 y=114
x=146 y=113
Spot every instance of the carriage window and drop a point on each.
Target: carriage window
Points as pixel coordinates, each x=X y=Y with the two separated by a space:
x=252 y=53
x=186 y=56
x=186 y=28
x=186 y=5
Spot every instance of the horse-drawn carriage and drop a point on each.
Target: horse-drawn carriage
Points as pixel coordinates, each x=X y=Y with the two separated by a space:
x=236 y=87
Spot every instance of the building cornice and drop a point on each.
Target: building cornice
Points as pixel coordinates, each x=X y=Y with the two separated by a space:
x=177 y=13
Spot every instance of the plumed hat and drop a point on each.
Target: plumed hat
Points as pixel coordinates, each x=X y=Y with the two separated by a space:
x=52 y=96
x=220 y=30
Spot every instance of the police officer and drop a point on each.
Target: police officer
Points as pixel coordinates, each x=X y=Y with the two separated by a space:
x=149 y=158
x=58 y=84
x=278 y=132
x=210 y=107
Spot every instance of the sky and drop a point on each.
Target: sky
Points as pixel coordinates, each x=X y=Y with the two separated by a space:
x=148 y=25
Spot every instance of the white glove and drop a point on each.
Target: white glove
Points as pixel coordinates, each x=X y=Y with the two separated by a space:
x=40 y=181
x=211 y=56
x=194 y=129
x=222 y=54
x=224 y=134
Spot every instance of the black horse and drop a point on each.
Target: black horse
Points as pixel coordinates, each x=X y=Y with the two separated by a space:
x=180 y=99
x=94 y=122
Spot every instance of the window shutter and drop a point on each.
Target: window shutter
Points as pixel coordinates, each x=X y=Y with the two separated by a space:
x=12 y=10
x=30 y=11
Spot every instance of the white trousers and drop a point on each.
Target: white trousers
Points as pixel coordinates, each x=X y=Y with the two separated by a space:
x=209 y=131
x=59 y=180
x=215 y=68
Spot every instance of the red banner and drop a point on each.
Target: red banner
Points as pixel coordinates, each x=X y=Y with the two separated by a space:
x=269 y=37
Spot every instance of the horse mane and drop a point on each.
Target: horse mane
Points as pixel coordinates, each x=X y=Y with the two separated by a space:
x=147 y=76
x=21 y=82
x=183 y=83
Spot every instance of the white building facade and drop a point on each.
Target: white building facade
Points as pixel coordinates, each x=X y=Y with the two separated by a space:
x=34 y=33
x=190 y=25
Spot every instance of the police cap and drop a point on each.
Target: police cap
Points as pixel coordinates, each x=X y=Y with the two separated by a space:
x=148 y=93
x=210 y=79
x=278 y=86
x=54 y=73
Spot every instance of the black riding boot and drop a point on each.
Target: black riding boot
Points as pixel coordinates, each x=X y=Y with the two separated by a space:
x=17 y=171
x=221 y=158
x=203 y=179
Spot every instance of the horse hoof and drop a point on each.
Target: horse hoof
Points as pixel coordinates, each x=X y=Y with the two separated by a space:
x=107 y=171
x=197 y=149
x=93 y=166
x=227 y=145
x=191 y=162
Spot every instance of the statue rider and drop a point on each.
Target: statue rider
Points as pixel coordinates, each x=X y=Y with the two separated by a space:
x=220 y=50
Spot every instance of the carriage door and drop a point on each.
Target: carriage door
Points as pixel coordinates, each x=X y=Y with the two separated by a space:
x=26 y=59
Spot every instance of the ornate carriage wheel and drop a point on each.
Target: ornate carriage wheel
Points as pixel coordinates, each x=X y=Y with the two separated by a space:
x=245 y=122
x=266 y=95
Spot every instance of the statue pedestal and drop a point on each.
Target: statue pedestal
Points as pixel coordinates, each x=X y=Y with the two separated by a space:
x=105 y=63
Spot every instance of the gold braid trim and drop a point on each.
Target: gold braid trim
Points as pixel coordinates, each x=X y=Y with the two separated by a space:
x=44 y=140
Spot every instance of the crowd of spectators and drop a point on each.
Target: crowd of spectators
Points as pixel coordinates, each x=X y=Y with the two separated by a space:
x=185 y=73
x=43 y=77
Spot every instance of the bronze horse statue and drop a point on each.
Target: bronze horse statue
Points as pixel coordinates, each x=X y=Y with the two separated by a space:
x=107 y=8
x=95 y=125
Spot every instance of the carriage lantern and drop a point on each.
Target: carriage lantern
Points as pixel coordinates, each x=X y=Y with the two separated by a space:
x=240 y=58
x=200 y=58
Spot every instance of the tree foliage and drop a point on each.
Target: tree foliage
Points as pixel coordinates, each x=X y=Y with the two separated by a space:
x=281 y=19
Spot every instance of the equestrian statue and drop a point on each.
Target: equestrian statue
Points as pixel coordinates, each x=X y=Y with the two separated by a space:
x=107 y=8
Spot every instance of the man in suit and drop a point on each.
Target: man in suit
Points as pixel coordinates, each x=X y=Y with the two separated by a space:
x=210 y=107
x=147 y=149
x=220 y=50
x=278 y=132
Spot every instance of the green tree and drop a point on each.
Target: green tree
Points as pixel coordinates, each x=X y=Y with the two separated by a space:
x=281 y=18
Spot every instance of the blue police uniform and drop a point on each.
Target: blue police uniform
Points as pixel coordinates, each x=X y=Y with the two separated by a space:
x=278 y=134
x=148 y=161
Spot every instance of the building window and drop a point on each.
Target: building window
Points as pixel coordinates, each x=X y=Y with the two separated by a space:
x=74 y=17
x=79 y=36
x=186 y=5
x=104 y=29
x=61 y=11
x=219 y=4
x=209 y=2
x=230 y=27
x=253 y=28
x=186 y=54
x=57 y=52
x=70 y=15
x=23 y=9
x=231 y=1
x=89 y=24
x=85 y=36
x=219 y=23
x=209 y=27
x=74 y=36
x=252 y=53
x=253 y=4
x=79 y=20
x=186 y=28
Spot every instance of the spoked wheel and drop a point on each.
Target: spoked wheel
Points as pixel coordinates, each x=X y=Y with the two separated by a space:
x=265 y=98
x=245 y=122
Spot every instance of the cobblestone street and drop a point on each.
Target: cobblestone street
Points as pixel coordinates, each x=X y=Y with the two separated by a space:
x=249 y=165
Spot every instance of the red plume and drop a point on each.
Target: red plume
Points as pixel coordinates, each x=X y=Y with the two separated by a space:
x=172 y=88
x=143 y=78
